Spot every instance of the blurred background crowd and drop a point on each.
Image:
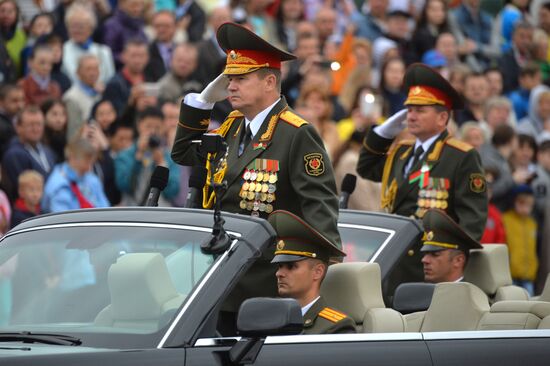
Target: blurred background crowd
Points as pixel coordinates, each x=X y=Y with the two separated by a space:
x=90 y=93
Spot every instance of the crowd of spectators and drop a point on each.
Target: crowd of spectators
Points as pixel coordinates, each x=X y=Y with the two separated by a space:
x=90 y=93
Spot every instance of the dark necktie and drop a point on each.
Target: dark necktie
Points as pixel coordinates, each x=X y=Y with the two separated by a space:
x=416 y=158
x=245 y=139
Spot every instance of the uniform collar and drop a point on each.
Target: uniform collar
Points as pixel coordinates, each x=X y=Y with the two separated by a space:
x=426 y=144
x=308 y=306
x=257 y=121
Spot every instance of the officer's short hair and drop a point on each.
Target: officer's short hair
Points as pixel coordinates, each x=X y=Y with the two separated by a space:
x=456 y=252
x=264 y=72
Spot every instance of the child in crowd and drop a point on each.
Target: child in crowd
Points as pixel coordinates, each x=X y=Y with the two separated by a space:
x=521 y=234
x=30 y=186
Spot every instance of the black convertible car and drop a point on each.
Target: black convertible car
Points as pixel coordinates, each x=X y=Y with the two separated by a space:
x=134 y=286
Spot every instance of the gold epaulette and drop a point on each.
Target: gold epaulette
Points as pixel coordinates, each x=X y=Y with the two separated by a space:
x=235 y=114
x=225 y=126
x=293 y=119
x=332 y=315
x=406 y=142
x=460 y=145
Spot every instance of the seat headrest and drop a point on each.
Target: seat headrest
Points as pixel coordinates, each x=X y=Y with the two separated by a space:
x=353 y=288
x=140 y=285
x=455 y=306
x=539 y=308
x=411 y=297
x=545 y=294
x=489 y=268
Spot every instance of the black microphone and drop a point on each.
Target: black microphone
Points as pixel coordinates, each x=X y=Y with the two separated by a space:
x=348 y=186
x=197 y=180
x=159 y=180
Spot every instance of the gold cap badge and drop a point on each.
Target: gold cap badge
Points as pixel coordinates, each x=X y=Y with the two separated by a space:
x=430 y=235
x=280 y=245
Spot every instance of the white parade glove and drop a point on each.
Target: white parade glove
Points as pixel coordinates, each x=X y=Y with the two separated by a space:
x=216 y=90
x=393 y=125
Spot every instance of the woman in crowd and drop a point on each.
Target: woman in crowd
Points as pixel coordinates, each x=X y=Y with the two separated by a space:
x=391 y=85
x=13 y=36
x=289 y=14
x=432 y=22
x=55 y=131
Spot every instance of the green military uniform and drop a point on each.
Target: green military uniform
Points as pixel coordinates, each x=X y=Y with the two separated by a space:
x=284 y=167
x=299 y=241
x=449 y=176
x=441 y=232
x=321 y=319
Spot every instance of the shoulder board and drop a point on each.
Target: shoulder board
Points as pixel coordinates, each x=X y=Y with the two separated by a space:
x=406 y=142
x=225 y=126
x=332 y=315
x=235 y=114
x=460 y=145
x=293 y=119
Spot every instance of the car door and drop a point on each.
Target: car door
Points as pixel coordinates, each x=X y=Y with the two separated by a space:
x=329 y=349
x=526 y=347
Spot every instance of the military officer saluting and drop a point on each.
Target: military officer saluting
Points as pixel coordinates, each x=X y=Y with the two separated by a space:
x=432 y=171
x=302 y=255
x=445 y=248
x=275 y=159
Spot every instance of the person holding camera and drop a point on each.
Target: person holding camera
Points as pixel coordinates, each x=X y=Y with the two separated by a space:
x=134 y=166
x=275 y=159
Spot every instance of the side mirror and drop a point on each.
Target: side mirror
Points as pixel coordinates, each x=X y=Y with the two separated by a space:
x=410 y=297
x=261 y=317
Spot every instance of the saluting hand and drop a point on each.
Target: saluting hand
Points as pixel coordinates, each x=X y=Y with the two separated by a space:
x=393 y=125
x=215 y=91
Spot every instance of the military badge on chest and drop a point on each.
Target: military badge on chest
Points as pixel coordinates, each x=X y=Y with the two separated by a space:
x=259 y=185
x=432 y=192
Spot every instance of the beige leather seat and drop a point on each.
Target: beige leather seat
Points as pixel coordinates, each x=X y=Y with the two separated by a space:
x=489 y=269
x=455 y=306
x=515 y=315
x=141 y=292
x=355 y=289
x=545 y=294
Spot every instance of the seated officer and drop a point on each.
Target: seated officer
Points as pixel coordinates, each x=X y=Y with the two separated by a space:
x=446 y=248
x=302 y=255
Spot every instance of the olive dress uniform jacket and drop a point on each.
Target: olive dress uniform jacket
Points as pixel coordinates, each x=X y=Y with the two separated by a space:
x=321 y=319
x=456 y=184
x=285 y=144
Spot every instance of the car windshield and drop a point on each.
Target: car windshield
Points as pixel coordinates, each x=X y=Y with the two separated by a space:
x=360 y=243
x=95 y=281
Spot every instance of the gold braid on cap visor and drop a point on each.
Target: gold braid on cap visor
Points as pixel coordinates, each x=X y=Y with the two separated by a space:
x=443 y=245
x=296 y=252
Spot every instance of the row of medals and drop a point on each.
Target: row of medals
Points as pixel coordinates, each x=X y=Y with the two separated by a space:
x=258 y=191
x=429 y=198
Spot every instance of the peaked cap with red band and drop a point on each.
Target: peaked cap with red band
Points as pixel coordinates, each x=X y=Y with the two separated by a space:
x=426 y=86
x=297 y=240
x=248 y=52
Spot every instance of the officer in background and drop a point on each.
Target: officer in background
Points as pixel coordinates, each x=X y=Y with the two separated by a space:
x=275 y=159
x=432 y=171
x=302 y=256
x=446 y=248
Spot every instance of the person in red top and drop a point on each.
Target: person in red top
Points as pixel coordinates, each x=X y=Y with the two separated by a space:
x=494 y=228
x=38 y=85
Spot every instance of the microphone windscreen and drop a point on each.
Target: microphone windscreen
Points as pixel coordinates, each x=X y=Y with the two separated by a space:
x=348 y=184
x=159 y=179
x=197 y=179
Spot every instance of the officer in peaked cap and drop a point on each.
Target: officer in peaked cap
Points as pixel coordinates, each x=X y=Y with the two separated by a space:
x=275 y=159
x=302 y=255
x=445 y=248
x=433 y=170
